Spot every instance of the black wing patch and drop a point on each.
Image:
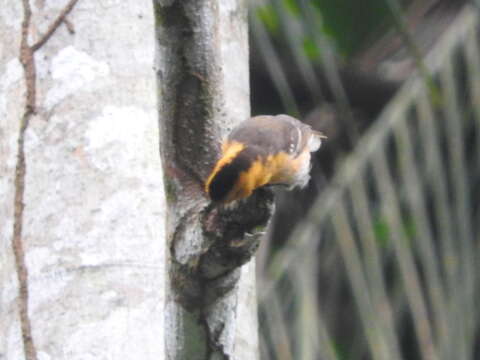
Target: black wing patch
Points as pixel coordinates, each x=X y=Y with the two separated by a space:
x=226 y=178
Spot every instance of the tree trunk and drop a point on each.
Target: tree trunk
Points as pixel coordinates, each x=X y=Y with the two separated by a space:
x=81 y=196
x=203 y=85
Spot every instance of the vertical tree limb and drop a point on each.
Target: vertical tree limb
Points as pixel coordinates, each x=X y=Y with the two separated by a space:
x=197 y=73
x=28 y=62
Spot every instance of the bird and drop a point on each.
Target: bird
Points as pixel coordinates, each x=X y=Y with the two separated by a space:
x=261 y=151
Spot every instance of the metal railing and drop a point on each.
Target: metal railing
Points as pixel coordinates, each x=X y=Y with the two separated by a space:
x=400 y=222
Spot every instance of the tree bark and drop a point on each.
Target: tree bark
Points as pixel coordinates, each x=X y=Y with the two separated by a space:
x=203 y=85
x=82 y=204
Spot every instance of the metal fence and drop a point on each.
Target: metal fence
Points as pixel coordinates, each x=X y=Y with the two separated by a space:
x=399 y=225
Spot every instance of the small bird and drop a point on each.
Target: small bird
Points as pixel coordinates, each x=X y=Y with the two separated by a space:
x=263 y=150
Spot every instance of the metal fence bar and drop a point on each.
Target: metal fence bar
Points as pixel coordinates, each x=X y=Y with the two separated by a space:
x=449 y=257
x=274 y=67
x=373 y=264
x=350 y=254
x=423 y=236
x=280 y=340
x=435 y=176
x=400 y=241
x=472 y=55
x=295 y=42
x=455 y=140
x=315 y=331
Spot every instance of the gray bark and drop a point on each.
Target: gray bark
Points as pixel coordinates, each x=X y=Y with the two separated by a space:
x=203 y=85
x=81 y=194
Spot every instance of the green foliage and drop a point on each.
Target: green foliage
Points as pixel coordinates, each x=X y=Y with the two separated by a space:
x=268 y=17
x=292 y=7
x=341 y=351
x=382 y=230
x=348 y=24
x=351 y=23
x=310 y=48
